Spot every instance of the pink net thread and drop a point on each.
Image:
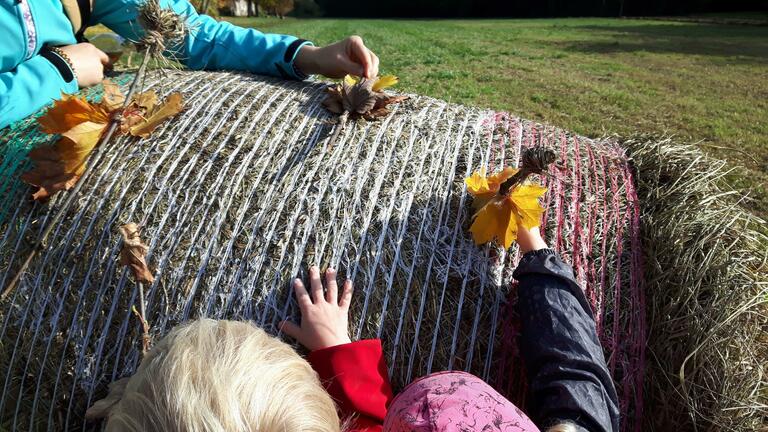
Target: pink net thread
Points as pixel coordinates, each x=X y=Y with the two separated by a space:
x=592 y=219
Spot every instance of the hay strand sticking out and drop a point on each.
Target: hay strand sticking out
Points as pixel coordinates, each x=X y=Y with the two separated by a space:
x=707 y=285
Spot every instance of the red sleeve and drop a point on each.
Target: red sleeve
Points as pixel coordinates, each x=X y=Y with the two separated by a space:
x=355 y=375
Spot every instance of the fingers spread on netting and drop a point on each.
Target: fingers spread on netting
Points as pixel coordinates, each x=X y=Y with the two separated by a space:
x=302 y=296
x=331 y=286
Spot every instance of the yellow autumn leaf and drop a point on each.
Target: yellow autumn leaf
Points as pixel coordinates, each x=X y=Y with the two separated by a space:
x=351 y=80
x=498 y=220
x=478 y=184
x=495 y=221
x=526 y=201
x=484 y=188
x=383 y=82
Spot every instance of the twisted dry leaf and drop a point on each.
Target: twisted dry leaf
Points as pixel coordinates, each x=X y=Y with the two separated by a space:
x=133 y=253
x=358 y=98
x=362 y=97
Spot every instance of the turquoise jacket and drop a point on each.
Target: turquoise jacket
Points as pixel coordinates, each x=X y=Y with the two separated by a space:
x=29 y=81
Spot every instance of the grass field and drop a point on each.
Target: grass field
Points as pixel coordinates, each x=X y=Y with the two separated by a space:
x=703 y=83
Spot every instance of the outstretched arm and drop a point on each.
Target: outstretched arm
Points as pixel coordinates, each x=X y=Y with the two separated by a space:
x=216 y=45
x=568 y=378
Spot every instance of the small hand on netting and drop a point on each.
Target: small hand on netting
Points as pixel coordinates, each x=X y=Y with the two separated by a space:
x=324 y=316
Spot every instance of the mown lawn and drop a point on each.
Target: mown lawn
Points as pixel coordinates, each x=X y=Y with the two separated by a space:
x=703 y=83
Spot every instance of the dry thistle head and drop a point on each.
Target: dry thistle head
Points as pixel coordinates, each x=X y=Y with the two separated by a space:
x=162 y=28
x=534 y=160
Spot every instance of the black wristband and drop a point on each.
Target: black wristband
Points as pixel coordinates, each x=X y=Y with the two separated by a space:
x=291 y=50
x=59 y=63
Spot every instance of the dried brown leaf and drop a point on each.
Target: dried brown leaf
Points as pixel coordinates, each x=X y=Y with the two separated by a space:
x=133 y=253
x=376 y=113
x=358 y=98
x=171 y=106
x=383 y=99
x=113 y=98
x=333 y=101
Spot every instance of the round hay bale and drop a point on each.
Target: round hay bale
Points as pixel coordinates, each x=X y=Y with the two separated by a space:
x=244 y=189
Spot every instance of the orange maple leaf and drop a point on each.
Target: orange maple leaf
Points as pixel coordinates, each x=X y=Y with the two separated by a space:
x=81 y=124
x=69 y=112
x=59 y=166
x=499 y=216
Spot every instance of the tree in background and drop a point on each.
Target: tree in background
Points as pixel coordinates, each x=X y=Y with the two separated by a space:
x=208 y=7
x=306 y=8
x=253 y=7
x=238 y=8
x=279 y=8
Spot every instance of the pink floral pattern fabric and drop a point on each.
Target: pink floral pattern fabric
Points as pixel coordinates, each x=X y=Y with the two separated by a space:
x=455 y=402
x=29 y=25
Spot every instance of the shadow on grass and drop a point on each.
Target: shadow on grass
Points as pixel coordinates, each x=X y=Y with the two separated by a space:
x=740 y=43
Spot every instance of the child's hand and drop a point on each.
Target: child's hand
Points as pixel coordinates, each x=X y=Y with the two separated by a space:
x=529 y=240
x=88 y=63
x=323 y=317
x=347 y=57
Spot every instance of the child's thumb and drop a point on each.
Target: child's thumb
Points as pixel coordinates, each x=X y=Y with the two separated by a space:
x=290 y=329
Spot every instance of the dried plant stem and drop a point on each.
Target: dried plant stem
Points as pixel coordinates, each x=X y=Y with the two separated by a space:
x=141 y=314
x=340 y=126
x=93 y=160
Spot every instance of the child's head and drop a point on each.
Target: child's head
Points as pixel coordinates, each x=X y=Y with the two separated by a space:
x=220 y=376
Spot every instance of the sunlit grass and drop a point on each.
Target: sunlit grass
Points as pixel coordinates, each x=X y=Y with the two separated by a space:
x=703 y=83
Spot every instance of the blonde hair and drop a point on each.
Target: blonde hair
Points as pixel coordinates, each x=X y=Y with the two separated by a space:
x=219 y=376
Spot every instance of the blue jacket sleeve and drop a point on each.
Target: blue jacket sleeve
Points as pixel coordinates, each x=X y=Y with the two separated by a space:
x=32 y=84
x=568 y=380
x=210 y=44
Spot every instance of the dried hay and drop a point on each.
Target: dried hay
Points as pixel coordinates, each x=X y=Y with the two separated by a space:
x=707 y=290
x=246 y=188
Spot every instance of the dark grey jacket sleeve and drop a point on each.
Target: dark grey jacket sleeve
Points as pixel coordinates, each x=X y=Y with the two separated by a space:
x=568 y=379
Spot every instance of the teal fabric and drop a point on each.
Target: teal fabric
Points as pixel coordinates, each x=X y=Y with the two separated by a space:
x=29 y=82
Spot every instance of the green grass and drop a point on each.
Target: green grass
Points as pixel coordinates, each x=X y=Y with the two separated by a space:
x=756 y=16
x=701 y=82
